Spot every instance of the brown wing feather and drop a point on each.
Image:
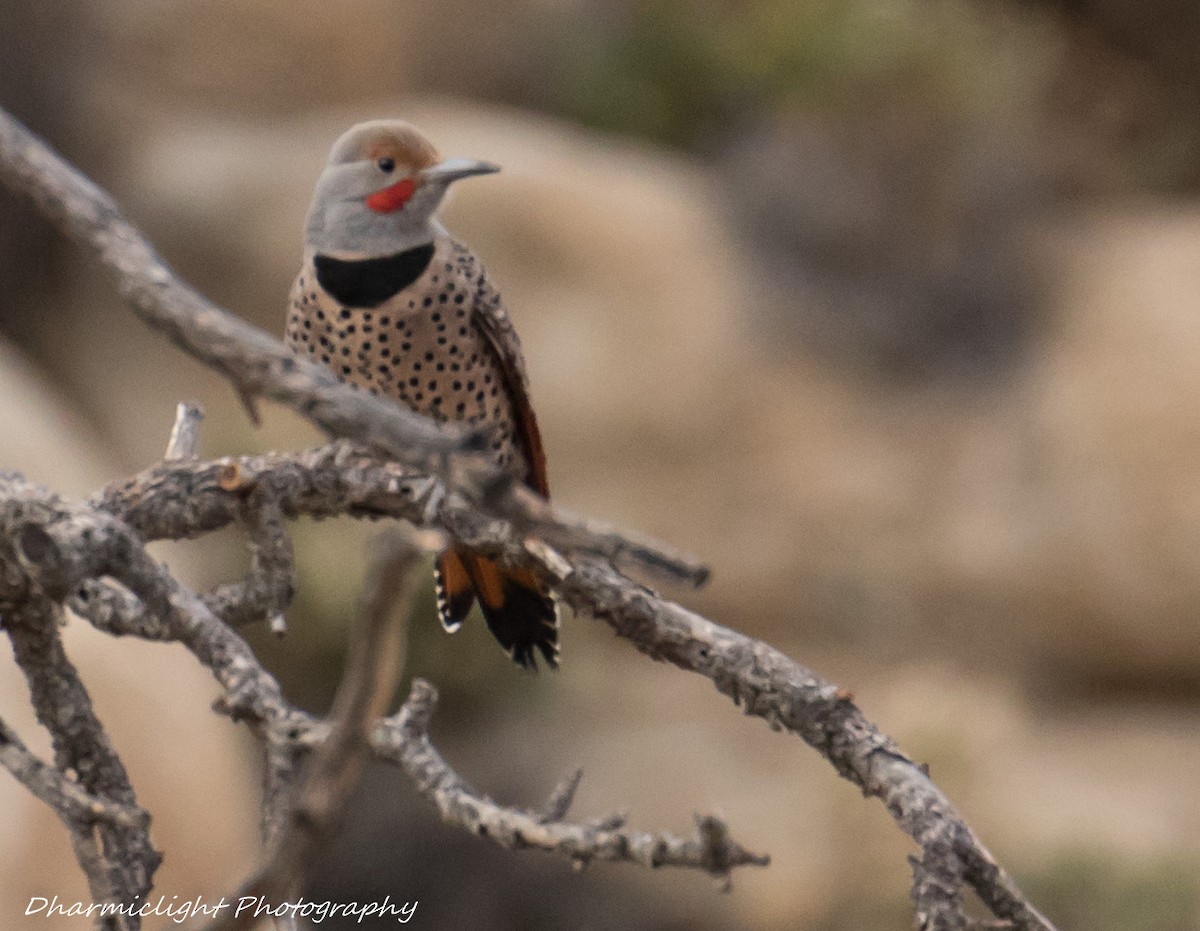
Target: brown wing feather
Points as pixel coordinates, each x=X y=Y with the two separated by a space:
x=494 y=322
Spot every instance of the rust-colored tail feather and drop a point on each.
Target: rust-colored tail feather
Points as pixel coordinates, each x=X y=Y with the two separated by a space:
x=519 y=611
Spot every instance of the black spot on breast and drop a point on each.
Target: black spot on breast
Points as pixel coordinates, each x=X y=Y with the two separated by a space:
x=370 y=282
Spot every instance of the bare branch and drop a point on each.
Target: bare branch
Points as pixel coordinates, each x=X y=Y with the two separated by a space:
x=269 y=588
x=769 y=685
x=766 y=683
x=405 y=739
x=72 y=802
x=77 y=542
x=560 y=529
x=117 y=858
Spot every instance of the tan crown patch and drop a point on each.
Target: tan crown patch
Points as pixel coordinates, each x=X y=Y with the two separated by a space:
x=377 y=139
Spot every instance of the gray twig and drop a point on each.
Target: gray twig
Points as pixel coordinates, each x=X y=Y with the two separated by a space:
x=561 y=799
x=74 y=804
x=404 y=738
x=185 y=435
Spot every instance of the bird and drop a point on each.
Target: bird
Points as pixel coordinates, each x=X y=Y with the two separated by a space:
x=396 y=306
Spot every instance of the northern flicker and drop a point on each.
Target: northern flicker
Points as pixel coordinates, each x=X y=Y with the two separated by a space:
x=396 y=306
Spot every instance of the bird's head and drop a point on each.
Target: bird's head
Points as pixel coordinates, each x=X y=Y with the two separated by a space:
x=380 y=189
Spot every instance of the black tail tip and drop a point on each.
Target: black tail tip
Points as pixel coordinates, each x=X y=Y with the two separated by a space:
x=526 y=625
x=524 y=656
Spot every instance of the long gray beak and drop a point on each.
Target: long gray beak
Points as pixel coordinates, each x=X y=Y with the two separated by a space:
x=455 y=168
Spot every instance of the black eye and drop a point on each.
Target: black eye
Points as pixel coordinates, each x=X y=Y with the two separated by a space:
x=386 y=164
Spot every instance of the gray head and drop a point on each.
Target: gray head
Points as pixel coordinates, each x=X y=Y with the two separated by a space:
x=379 y=191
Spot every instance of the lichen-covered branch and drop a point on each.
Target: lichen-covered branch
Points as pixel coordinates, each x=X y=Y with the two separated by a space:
x=74 y=804
x=115 y=853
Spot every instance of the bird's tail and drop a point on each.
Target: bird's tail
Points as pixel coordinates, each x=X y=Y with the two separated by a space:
x=519 y=611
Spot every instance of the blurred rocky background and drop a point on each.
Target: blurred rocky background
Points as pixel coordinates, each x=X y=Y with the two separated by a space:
x=888 y=308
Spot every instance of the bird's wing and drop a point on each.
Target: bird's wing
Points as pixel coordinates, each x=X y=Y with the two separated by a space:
x=492 y=319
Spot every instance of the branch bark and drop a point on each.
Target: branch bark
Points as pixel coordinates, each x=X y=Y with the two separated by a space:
x=406 y=740
x=115 y=853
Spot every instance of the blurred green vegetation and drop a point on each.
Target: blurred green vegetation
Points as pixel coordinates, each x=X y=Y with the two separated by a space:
x=678 y=72
x=1083 y=890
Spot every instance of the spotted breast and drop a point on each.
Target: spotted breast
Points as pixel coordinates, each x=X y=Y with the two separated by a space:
x=427 y=328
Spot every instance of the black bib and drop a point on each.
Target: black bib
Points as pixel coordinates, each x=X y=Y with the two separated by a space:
x=370 y=282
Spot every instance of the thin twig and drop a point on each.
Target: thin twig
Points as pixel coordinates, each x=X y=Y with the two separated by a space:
x=367 y=687
x=185 y=435
x=407 y=741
